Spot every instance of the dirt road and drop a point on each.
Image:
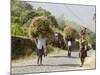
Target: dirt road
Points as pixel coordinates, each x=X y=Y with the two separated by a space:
x=53 y=63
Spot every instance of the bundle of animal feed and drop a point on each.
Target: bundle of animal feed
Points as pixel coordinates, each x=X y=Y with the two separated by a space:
x=40 y=26
x=70 y=32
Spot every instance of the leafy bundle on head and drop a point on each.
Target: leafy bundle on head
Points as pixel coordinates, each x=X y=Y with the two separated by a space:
x=40 y=26
x=70 y=32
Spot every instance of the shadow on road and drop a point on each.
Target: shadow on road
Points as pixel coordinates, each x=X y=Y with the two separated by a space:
x=70 y=65
x=63 y=57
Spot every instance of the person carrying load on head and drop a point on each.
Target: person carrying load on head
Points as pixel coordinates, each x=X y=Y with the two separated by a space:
x=69 y=45
x=83 y=48
x=41 y=48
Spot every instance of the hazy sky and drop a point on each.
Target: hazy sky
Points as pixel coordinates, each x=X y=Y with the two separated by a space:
x=81 y=14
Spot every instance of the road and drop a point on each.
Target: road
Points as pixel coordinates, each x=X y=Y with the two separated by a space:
x=51 y=63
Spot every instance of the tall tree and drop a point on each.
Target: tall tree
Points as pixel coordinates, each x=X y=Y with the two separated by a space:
x=22 y=14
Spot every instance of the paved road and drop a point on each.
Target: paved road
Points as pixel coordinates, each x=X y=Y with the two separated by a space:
x=50 y=63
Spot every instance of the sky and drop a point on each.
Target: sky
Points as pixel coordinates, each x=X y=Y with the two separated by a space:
x=81 y=14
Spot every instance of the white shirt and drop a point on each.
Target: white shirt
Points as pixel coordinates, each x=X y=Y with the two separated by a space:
x=69 y=43
x=41 y=43
x=56 y=36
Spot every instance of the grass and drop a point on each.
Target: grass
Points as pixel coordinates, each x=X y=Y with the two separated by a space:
x=52 y=51
x=57 y=51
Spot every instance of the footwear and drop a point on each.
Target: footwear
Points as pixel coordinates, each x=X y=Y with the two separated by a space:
x=41 y=64
x=81 y=65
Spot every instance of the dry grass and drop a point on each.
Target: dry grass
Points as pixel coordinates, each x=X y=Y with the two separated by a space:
x=21 y=59
x=69 y=31
x=40 y=26
x=54 y=51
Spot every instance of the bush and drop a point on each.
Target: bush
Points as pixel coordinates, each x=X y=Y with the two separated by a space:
x=18 y=30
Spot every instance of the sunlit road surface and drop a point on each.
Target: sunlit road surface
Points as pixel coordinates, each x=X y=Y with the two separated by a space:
x=54 y=63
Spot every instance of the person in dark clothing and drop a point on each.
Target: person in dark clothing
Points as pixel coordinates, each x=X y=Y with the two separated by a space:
x=82 y=52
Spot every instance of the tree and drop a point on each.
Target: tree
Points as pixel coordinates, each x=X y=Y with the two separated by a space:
x=18 y=30
x=22 y=14
x=61 y=21
x=42 y=12
x=20 y=11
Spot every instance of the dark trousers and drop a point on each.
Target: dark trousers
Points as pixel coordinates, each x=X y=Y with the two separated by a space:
x=82 y=56
x=39 y=61
x=69 y=51
x=40 y=53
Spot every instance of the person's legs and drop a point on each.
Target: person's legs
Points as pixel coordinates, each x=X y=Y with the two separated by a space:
x=82 y=58
x=37 y=56
x=86 y=53
x=40 y=59
x=80 y=55
x=69 y=51
x=82 y=61
x=41 y=54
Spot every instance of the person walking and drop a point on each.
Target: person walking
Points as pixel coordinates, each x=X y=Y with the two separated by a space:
x=82 y=51
x=41 y=43
x=69 y=45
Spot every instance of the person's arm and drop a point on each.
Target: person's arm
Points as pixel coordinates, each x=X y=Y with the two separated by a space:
x=45 y=48
x=76 y=40
x=35 y=40
x=65 y=40
x=46 y=43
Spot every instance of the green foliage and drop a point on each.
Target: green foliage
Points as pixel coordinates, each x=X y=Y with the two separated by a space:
x=22 y=14
x=62 y=22
x=41 y=26
x=42 y=12
x=53 y=21
x=18 y=30
x=91 y=38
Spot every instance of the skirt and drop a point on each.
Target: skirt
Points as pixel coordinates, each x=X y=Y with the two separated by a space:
x=82 y=53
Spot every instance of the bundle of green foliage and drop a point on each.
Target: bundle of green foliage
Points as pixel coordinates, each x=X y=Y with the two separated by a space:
x=70 y=31
x=40 y=26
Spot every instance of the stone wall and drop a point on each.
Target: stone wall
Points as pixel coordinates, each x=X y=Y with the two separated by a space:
x=21 y=46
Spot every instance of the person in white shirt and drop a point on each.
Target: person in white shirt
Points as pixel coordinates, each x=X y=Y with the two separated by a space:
x=69 y=45
x=41 y=48
x=56 y=39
